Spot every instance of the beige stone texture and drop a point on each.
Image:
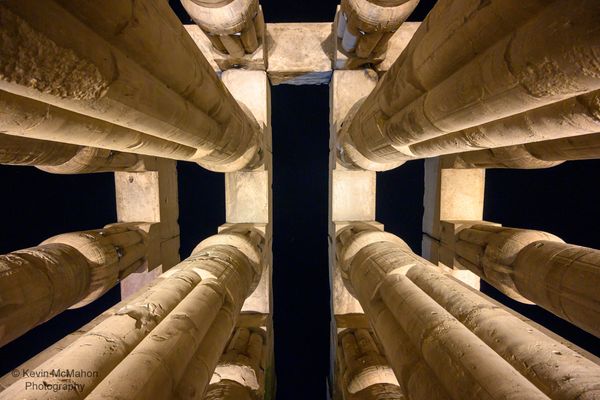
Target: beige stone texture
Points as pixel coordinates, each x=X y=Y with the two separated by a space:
x=61 y=158
x=248 y=194
x=134 y=91
x=447 y=250
x=364 y=31
x=397 y=288
x=21 y=116
x=363 y=372
x=300 y=54
x=222 y=271
x=66 y=271
x=414 y=88
x=346 y=187
x=450 y=194
x=396 y=45
x=535 y=267
x=151 y=196
x=243 y=363
x=575 y=116
x=543 y=154
x=221 y=60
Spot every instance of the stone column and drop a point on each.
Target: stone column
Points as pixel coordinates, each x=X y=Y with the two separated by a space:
x=451 y=80
x=572 y=117
x=544 y=154
x=240 y=371
x=364 y=27
x=61 y=158
x=21 y=116
x=536 y=268
x=234 y=27
x=141 y=350
x=362 y=370
x=430 y=323
x=457 y=362
x=66 y=271
x=118 y=75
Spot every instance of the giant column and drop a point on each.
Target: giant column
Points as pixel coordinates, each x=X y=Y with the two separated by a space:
x=101 y=68
x=445 y=341
x=66 y=271
x=491 y=65
x=535 y=267
x=142 y=350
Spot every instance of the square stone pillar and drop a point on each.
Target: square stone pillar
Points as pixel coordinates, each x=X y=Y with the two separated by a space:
x=150 y=197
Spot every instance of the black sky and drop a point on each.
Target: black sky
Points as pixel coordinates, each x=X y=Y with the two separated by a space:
x=35 y=205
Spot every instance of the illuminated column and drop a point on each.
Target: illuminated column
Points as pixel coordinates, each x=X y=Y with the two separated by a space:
x=535 y=267
x=364 y=27
x=363 y=371
x=240 y=371
x=66 y=271
x=61 y=158
x=544 y=154
x=234 y=27
x=176 y=312
x=490 y=66
x=148 y=77
x=427 y=328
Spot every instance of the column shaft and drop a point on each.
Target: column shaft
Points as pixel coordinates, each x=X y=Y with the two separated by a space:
x=545 y=362
x=430 y=311
x=110 y=77
x=66 y=271
x=366 y=25
x=176 y=313
x=22 y=116
x=544 y=154
x=92 y=160
x=240 y=371
x=536 y=268
x=436 y=88
x=24 y=151
x=375 y=265
x=572 y=117
x=363 y=371
x=187 y=71
x=61 y=158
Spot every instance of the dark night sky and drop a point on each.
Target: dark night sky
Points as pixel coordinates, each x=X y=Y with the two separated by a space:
x=37 y=205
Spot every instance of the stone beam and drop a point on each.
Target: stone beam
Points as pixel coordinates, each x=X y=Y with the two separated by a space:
x=407 y=300
x=248 y=194
x=68 y=271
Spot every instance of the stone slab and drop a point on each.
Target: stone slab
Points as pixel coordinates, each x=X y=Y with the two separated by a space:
x=300 y=53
